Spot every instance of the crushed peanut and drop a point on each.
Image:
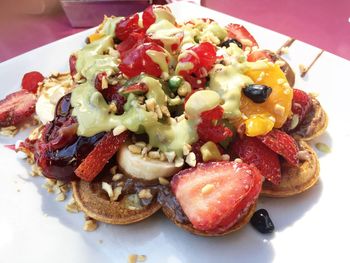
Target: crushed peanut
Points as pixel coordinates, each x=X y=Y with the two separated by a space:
x=159 y=112
x=186 y=149
x=145 y=194
x=179 y=162
x=140 y=144
x=72 y=206
x=279 y=109
x=238 y=160
x=323 y=147
x=9 y=131
x=163 y=181
x=113 y=169
x=108 y=188
x=154 y=154
x=165 y=111
x=150 y=104
x=90 y=225
x=116 y=193
x=117 y=177
x=118 y=130
x=61 y=197
x=134 y=149
x=170 y=156
x=133 y=258
x=191 y=159
x=225 y=157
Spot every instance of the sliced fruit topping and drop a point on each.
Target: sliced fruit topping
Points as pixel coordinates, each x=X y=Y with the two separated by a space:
x=30 y=81
x=126 y=26
x=138 y=88
x=279 y=102
x=241 y=34
x=100 y=155
x=252 y=151
x=16 y=107
x=282 y=144
x=207 y=131
x=138 y=60
x=301 y=103
x=197 y=60
x=215 y=195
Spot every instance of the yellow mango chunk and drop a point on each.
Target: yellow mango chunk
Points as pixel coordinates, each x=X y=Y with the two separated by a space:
x=278 y=104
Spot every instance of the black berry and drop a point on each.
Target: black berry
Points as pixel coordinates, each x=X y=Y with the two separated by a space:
x=257 y=93
x=229 y=41
x=262 y=222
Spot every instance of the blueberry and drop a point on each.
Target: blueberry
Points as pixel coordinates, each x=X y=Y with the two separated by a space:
x=231 y=40
x=262 y=222
x=257 y=93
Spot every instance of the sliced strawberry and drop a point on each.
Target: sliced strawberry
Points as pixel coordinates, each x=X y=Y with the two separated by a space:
x=16 y=107
x=251 y=150
x=241 y=34
x=138 y=88
x=209 y=132
x=93 y=164
x=301 y=103
x=215 y=195
x=282 y=144
x=30 y=81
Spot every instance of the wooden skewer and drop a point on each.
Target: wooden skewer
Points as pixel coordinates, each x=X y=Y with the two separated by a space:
x=305 y=70
x=288 y=43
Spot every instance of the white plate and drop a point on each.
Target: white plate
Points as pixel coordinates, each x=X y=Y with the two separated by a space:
x=311 y=227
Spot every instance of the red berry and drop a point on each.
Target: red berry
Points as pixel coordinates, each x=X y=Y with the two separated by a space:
x=112 y=94
x=282 y=144
x=215 y=195
x=251 y=150
x=126 y=26
x=16 y=107
x=98 y=80
x=207 y=131
x=30 y=81
x=301 y=103
x=239 y=32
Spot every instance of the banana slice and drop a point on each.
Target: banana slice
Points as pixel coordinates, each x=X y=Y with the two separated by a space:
x=143 y=168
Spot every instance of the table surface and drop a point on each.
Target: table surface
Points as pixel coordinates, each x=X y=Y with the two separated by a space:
x=325 y=24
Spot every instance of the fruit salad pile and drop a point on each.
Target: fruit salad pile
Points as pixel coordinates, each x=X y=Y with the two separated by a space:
x=195 y=108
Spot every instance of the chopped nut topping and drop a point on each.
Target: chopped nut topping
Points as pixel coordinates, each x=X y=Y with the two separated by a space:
x=116 y=193
x=134 y=149
x=154 y=155
x=112 y=107
x=179 y=162
x=165 y=111
x=163 y=181
x=295 y=121
x=186 y=149
x=162 y=157
x=159 y=112
x=284 y=50
x=303 y=155
x=175 y=101
x=150 y=104
x=117 y=177
x=225 y=157
x=184 y=89
x=191 y=159
x=104 y=83
x=108 y=188
x=133 y=258
x=238 y=160
x=119 y=129
x=9 y=131
x=36 y=170
x=280 y=63
x=61 y=197
x=145 y=194
x=279 y=109
x=302 y=69
x=323 y=147
x=90 y=225
x=180 y=118
x=113 y=170
x=207 y=189
x=140 y=144
x=72 y=206
x=170 y=156
x=246 y=42
x=280 y=81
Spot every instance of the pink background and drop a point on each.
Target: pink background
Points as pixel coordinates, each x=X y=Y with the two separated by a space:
x=324 y=24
